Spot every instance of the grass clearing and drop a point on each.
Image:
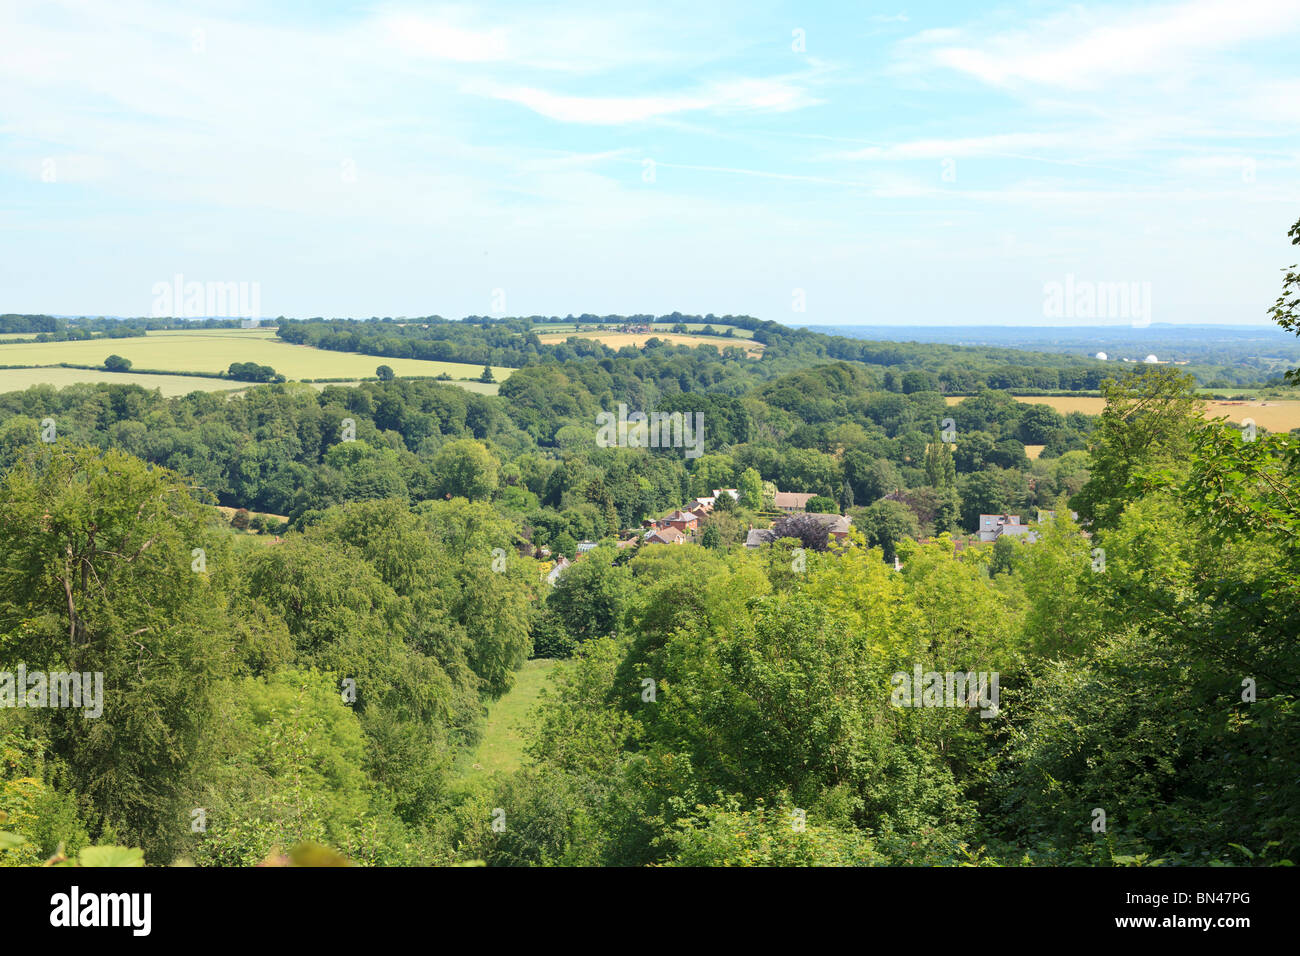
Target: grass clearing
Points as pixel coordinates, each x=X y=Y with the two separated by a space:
x=502 y=748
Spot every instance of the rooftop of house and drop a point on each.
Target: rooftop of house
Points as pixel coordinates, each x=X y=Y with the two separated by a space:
x=988 y=522
x=792 y=499
x=666 y=536
x=835 y=524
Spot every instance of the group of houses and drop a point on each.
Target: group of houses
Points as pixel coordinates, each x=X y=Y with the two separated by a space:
x=681 y=525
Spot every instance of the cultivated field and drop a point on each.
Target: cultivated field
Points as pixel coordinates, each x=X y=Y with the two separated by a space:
x=213 y=350
x=1274 y=414
x=616 y=340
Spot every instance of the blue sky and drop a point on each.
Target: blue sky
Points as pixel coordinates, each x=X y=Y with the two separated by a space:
x=878 y=164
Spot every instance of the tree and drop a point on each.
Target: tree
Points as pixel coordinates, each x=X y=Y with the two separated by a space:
x=1146 y=427
x=711 y=537
x=750 y=489
x=465 y=469
x=1286 y=310
x=1004 y=554
x=100 y=573
x=820 y=504
x=115 y=363
x=811 y=533
x=240 y=519
x=487 y=374
x=385 y=374
x=886 y=522
x=589 y=597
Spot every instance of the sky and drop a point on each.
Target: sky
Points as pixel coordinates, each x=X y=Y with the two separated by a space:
x=860 y=163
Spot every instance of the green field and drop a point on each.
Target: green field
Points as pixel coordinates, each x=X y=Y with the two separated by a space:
x=502 y=746
x=20 y=379
x=212 y=350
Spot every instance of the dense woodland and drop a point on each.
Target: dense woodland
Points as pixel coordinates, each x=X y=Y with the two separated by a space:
x=709 y=694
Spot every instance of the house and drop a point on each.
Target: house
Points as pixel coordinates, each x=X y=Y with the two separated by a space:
x=992 y=527
x=703 y=504
x=681 y=521
x=719 y=492
x=665 y=536
x=554 y=574
x=792 y=501
x=837 y=526
x=585 y=546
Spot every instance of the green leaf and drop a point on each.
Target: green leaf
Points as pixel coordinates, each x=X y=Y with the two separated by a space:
x=111 y=856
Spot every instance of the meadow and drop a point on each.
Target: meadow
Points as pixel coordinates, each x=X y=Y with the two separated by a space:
x=209 y=351
x=20 y=379
x=502 y=745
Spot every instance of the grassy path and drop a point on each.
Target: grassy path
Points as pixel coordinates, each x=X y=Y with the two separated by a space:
x=502 y=746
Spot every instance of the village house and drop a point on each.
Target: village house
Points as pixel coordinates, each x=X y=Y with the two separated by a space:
x=992 y=527
x=682 y=521
x=792 y=501
x=554 y=574
x=837 y=528
x=666 y=536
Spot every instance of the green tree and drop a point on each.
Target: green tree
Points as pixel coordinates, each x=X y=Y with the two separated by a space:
x=750 y=488
x=465 y=469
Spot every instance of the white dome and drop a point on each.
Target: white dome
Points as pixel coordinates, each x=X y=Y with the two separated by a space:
x=1101 y=356
x=1151 y=360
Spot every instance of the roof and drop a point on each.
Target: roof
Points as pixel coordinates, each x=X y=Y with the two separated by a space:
x=758 y=537
x=585 y=546
x=666 y=536
x=681 y=516
x=728 y=491
x=792 y=499
x=835 y=524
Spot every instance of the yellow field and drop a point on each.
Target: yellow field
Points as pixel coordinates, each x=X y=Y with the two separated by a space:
x=20 y=379
x=617 y=340
x=212 y=350
x=1277 y=415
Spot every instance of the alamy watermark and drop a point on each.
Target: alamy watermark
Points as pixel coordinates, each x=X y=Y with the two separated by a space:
x=948 y=689
x=656 y=430
x=200 y=300
x=1081 y=299
x=25 y=688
